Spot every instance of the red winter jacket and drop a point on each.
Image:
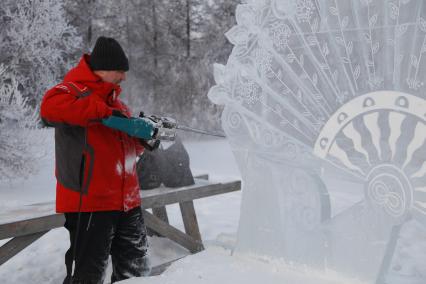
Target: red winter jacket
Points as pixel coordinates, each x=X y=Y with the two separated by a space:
x=90 y=157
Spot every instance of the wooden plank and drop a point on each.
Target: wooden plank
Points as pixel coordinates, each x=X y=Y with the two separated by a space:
x=164 y=196
x=161 y=213
x=190 y=220
x=15 y=245
x=171 y=233
x=157 y=198
x=31 y=226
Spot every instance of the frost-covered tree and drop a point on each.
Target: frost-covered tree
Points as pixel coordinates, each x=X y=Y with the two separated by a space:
x=17 y=134
x=37 y=44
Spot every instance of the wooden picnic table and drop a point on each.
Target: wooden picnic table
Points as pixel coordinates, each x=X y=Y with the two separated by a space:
x=26 y=224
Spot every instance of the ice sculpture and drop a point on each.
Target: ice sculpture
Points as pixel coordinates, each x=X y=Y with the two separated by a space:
x=325 y=110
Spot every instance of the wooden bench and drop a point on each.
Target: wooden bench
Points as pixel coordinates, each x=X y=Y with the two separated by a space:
x=26 y=224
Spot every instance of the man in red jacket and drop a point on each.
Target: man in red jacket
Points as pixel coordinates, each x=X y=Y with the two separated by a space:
x=97 y=185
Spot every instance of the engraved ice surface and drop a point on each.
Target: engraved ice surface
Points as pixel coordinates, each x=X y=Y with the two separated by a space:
x=325 y=108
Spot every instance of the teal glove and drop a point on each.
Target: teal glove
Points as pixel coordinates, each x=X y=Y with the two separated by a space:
x=137 y=127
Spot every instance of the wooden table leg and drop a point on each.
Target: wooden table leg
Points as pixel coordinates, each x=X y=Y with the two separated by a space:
x=190 y=220
x=17 y=244
x=171 y=233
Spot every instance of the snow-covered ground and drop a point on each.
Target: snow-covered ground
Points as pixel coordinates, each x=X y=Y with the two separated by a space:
x=217 y=265
x=42 y=262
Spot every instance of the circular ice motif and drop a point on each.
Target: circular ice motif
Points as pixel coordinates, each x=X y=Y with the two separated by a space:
x=381 y=138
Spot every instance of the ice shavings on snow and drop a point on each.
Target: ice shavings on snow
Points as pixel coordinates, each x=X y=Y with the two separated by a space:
x=216 y=265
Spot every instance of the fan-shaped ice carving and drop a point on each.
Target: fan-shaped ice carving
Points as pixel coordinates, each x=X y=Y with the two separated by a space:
x=336 y=89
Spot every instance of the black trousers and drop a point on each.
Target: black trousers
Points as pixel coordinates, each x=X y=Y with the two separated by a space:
x=121 y=234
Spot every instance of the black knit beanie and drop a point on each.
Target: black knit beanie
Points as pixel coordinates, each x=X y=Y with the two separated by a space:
x=108 y=55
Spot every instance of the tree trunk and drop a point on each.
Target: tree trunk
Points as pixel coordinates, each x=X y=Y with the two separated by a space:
x=154 y=34
x=89 y=24
x=188 y=28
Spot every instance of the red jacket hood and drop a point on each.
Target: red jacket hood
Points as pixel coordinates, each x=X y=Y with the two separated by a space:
x=82 y=74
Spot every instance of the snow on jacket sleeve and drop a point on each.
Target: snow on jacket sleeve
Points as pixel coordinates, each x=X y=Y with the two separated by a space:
x=59 y=105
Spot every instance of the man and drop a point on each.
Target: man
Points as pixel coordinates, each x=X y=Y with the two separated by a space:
x=97 y=185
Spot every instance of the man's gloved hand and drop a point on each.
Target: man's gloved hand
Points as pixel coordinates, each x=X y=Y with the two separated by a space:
x=142 y=128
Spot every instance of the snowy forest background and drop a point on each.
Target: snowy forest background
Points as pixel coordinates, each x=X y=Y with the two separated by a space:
x=171 y=46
